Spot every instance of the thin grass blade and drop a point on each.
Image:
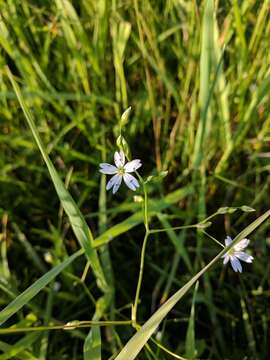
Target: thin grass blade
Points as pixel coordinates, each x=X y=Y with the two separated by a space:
x=35 y=288
x=77 y=221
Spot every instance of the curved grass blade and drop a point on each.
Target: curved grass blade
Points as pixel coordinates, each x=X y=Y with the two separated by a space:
x=77 y=221
x=35 y=288
x=137 y=342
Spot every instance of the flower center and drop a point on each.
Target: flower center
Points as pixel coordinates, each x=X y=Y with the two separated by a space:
x=231 y=251
x=121 y=171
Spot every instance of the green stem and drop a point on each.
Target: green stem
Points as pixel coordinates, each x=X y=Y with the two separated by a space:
x=153 y=231
x=136 y=301
x=68 y=326
x=211 y=237
x=147 y=233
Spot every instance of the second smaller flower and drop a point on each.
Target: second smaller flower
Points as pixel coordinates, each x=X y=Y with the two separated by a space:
x=236 y=253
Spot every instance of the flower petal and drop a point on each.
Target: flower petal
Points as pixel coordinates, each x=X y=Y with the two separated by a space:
x=132 y=165
x=236 y=265
x=117 y=183
x=228 y=240
x=244 y=256
x=226 y=258
x=241 y=245
x=107 y=169
x=131 y=181
x=113 y=181
x=119 y=158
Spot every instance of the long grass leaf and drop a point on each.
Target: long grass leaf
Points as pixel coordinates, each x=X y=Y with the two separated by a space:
x=35 y=288
x=77 y=221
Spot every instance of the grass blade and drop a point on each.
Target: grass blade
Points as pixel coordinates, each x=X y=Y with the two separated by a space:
x=77 y=221
x=35 y=288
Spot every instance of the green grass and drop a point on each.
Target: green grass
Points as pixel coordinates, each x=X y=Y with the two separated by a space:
x=196 y=75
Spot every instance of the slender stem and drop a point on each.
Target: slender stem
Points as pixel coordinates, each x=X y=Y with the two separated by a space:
x=147 y=233
x=139 y=283
x=211 y=237
x=210 y=217
x=153 y=231
x=68 y=326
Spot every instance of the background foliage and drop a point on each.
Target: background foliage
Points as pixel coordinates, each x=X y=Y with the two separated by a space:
x=79 y=65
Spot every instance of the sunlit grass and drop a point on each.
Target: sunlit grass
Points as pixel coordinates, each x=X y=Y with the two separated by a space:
x=197 y=78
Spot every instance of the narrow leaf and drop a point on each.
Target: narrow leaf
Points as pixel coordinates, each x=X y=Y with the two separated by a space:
x=35 y=288
x=77 y=221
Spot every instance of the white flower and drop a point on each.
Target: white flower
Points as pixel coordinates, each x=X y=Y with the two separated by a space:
x=236 y=253
x=121 y=171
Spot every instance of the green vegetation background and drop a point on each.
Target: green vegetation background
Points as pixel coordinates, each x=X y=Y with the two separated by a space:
x=79 y=65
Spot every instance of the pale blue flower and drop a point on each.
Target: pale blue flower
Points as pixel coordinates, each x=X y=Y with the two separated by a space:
x=121 y=171
x=236 y=253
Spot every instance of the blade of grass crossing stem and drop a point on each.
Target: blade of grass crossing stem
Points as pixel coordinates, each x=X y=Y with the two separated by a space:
x=13 y=307
x=137 y=342
x=190 y=345
x=77 y=221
